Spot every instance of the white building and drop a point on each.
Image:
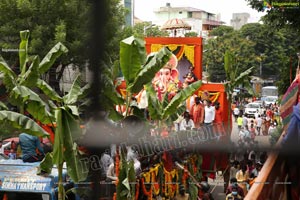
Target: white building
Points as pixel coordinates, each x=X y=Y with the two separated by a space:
x=200 y=21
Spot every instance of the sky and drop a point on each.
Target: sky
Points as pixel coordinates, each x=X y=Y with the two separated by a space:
x=144 y=8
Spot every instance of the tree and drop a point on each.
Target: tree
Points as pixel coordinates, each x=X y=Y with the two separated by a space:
x=279 y=16
x=191 y=34
x=215 y=49
x=57 y=21
x=146 y=29
x=221 y=31
x=269 y=46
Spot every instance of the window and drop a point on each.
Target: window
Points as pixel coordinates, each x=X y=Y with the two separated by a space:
x=190 y=14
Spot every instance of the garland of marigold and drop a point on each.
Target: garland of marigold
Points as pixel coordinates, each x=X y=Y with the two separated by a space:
x=155 y=183
x=147 y=193
x=137 y=190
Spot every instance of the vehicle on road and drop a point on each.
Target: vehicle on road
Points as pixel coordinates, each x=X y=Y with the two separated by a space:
x=269 y=94
x=270 y=100
x=19 y=180
x=252 y=108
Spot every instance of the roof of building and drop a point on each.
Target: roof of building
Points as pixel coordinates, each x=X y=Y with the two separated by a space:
x=177 y=9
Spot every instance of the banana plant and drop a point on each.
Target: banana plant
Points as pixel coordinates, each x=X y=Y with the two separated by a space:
x=166 y=112
x=63 y=113
x=20 y=87
x=136 y=67
x=67 y=133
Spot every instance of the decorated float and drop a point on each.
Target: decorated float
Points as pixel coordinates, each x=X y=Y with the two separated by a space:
x=199 y=160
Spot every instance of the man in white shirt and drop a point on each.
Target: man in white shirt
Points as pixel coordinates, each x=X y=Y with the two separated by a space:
x=209 y=112
x=187 y=123
x=209 y=116
x=258 y=124
x=3 y=146
x=256 y=114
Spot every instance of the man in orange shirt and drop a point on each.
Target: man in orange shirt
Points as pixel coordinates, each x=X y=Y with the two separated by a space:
x=197 y=112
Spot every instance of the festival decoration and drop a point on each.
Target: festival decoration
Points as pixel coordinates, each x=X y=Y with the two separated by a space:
x=151 y=183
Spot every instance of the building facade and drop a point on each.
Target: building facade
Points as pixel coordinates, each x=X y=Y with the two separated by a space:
x=201 y=22
x=239 y=19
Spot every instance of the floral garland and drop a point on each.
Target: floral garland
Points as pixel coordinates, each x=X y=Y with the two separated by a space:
x=147 y=193
x=155 y=183
x=212 y=96
x=169 y=187
x=137 y=190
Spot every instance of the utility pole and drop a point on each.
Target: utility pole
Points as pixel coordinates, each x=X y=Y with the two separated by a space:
x=147 y=27
x=260 y=66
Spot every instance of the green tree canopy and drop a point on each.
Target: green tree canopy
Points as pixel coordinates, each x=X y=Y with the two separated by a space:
x=278 y=16
x=57 y=21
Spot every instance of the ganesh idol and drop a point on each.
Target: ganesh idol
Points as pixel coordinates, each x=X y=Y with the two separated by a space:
x=166 y=79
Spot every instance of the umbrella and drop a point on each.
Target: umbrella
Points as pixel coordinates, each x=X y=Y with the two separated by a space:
x=173 y=24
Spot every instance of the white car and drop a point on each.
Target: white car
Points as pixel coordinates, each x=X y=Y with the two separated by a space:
x=252 y=108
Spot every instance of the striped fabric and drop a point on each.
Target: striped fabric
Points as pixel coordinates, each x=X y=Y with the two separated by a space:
x=289 y=99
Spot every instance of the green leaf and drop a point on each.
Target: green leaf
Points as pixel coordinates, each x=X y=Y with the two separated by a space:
x=46 y=165
x=74 y=109
x=22 y=123
x=47 y=89
x=72 y=132
x=3 y=106
x=23 y=50
x=9 y=75
x=30 y=77
x=51 y=57
x=85 y=91
x=34 y=104
x=74 y=92
x=153 y=65
x=114 y=115
x=132 y=57
x=9 y=82
x=58 y=147
x=243 y=75
x=154 y=105
x=181 y=97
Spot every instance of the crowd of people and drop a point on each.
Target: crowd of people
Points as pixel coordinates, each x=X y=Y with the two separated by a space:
x=245 y=166
x=264 y=123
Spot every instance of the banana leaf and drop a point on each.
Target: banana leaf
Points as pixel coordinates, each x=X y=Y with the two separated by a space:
x=74 y=92
x=58 y=147
x=22 y=123
x=71 y=133
x=3 y=106
x=47 y=90
x=73 y=109
x=132 y=57
x=9 y=76
x=30 y=77
x=23 y=47
x=154 y=105
x=180 y=97
x=85 y=90
x=34 y=104
x=51 y=57
x=46 y=164
x=241 y=78
x=146 y=74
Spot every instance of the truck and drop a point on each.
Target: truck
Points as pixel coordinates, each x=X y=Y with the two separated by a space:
x=19 y=180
